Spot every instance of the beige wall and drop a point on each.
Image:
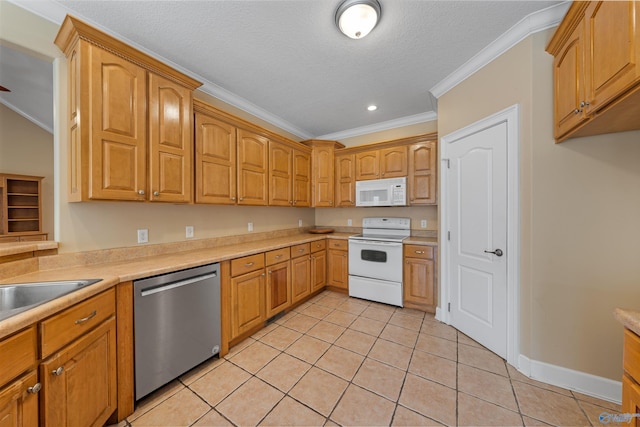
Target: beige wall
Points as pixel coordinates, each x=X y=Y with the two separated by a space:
x=27 y=149
x=580 y=207
x=386 y=135
x=337 y=217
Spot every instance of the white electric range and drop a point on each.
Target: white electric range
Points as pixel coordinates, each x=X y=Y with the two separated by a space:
x=375 y=260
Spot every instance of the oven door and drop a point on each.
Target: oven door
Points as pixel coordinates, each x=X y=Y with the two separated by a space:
x=375 y=259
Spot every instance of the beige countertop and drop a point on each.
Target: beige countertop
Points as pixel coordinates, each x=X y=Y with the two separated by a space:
x=113 y=273
x=14 y=248
x=424 y=241
x=629 y=318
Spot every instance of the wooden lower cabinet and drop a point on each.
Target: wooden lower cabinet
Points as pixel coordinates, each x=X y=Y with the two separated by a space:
x=19 y=402
x=318 y=265
x=79 y=382
x=300 y=272
x=247 y=302
x=338 y=264
x=631 y=376
x=630 y=398
x=278 y=288
x=419 y=278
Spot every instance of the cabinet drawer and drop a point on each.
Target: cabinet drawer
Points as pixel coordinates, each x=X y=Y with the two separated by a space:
x=279 y=255
x=17 y=354
x=318 y=246
x=69 y=324
x=300 y=250
x=247 y=264
x=418 y=251
x=631 y=354
x=342 y=245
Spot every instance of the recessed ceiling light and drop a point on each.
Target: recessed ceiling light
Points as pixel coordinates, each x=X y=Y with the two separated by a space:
x=372 y=107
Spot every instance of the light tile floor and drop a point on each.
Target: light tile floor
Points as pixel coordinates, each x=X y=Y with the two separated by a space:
x=337 y=360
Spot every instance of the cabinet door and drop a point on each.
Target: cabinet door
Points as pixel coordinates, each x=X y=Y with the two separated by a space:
x=568 y=69
x=247 y=302
x=418 y=283
x=301 y=179
x=215 y=161
x=367 y=165
x=323 y=175
x=300 y=278
x=79 y=383
x=19 y=402
x=422 y=174
x=613 y=50
x=170 y=141
x=280 y=175
x=345 y=188
x=338 y=269
x=393 y=162
x=630 y=398
x=278 y=288
x=318 y=270
x=118 y=162
x=253 y=161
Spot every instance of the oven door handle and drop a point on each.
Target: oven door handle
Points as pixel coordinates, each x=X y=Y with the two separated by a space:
x=375 y=243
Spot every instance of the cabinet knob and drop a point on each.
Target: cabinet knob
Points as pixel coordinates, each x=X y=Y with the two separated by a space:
x=35 y=388
x=331 y=202
x=270 y=272
x=584 y=104
x=241 y=198
x=141 y=192
x=577 y=111
x=58 y=372
x=233 y=198
x=382 y=173
x=156 y=193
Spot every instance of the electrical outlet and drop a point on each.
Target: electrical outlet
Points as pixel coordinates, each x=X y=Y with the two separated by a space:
x=143 y=235
x=250 y=226
x=189 y=232
x=349 y=222
x=423 y=223
x=299 y=223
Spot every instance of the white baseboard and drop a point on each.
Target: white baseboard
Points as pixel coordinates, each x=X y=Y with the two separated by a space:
x=592 y=385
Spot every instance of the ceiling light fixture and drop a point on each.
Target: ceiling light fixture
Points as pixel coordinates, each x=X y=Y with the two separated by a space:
x=372 y=107
x=356 y=18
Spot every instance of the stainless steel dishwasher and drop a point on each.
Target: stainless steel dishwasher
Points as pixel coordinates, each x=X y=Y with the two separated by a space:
x=176 y=324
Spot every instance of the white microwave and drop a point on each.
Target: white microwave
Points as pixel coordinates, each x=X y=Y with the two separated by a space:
x=382 y=192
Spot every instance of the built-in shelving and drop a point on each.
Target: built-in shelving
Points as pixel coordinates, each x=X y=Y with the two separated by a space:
x=21 y=208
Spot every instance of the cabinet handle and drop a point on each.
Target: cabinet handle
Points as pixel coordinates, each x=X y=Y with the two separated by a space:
x=58 y=372
x=141 y=192
x=84 y=319
x=300 y=250
x=419 y=252
x=35 y=388
x=278 y=256
x=249 y=264
x=156 y=193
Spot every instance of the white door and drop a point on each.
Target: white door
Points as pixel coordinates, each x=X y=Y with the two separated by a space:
x=477 y=221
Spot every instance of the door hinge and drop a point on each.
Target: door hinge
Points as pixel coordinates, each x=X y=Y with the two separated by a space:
x=449 y=307
x=448 y=235
x=447 y=161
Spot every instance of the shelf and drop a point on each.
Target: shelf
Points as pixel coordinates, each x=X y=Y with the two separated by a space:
x=20 y=205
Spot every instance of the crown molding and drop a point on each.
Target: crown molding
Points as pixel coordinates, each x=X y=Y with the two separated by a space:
x=35 y=121
x=382 y=126
x=530 y=24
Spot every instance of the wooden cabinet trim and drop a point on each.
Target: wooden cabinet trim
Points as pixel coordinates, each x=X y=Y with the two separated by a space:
x=18 y=353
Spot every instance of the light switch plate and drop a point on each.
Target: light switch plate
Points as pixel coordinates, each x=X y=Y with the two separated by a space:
x=189 y=232
x=299 y=223
x=143 y=235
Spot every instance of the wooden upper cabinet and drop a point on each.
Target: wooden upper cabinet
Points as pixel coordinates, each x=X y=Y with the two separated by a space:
x=128 y=112
x=568 y=69
x=322 y=172
x=345 y=181
x=170 y=141
x=253 y=161
x=614 y=50
x=422 y=176
x=115 y=104
x=596 y=50
x=393 y=162
x=301 y=184
x=280 y=167
x=215 y=161
x=367 y=165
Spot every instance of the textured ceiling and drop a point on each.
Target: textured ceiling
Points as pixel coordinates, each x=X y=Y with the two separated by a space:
x=286 y=62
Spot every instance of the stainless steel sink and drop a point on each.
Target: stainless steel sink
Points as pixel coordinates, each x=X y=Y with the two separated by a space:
x=16 y=298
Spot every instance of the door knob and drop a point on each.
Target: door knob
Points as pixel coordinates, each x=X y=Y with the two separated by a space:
x=497 y=252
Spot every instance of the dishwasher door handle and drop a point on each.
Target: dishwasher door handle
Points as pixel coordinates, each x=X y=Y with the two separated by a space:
x=157 y=289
